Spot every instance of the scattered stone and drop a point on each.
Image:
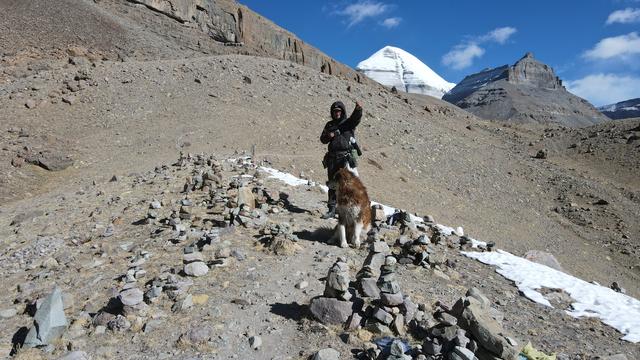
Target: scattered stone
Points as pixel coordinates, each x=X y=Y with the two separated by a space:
x=131 y=297
x=327 y=354
x=255 y=342
x=30 y=104
x=76 y=355
x=302 y=285
x=541 y=154
x=196 y=269
x=49 y=322
x=69 y=99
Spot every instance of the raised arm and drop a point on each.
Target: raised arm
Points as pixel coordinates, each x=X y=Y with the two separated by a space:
x=354 y=119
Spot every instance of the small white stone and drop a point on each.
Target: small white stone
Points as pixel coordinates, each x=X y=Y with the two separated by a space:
x=196 y=269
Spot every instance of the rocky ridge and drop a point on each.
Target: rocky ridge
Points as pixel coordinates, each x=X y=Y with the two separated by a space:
x=622 y=110
x=526 y=92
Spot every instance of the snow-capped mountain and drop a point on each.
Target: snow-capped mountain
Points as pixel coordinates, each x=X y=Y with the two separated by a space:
x=392 y=66
x=622 y=110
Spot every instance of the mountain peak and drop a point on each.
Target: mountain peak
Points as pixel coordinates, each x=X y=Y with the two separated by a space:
x=392 y=66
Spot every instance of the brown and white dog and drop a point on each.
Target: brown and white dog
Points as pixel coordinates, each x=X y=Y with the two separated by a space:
x=353 y=208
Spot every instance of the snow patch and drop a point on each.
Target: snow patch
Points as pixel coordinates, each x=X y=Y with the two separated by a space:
x=617 y=310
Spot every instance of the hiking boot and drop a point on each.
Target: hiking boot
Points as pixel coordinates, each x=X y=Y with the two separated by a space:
x=330 y=214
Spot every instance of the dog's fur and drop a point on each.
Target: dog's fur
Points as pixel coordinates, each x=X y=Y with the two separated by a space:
x=353 y=208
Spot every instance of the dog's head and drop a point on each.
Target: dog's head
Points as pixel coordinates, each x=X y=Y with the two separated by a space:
x=343 y=175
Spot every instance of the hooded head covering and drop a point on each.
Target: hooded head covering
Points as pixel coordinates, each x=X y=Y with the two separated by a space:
x=338 y=105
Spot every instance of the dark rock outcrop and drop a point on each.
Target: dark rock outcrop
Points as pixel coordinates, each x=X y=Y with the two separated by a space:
x=622 y=110
x=526 y=92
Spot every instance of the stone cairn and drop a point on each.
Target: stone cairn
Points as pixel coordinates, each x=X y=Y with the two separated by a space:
x=470 y=330
x=334 y=306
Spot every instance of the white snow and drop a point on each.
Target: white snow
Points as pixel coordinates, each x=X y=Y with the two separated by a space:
x=392 y=66
x=617 y=310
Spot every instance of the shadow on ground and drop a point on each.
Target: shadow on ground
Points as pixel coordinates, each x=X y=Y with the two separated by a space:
x=293 y=311
x=322 y=234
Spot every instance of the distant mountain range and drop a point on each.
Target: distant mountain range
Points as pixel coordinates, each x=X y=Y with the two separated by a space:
x=392 y=66
x=526 y=92
x=622 y=110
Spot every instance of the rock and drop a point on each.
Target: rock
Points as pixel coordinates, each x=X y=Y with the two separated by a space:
x=391 y=299
x=327 y=354
x=196 y=269
x=131 y=297
x=76 y=355
x=379 y=247
x=197 y=335
x=431 y=347
x=369 y=288
x=53 y=161
x=152 y=325
x=246 y=198
x=69 y=99
x=398 y=325
x=30 y=104
x=460 y=353
x=302 y=285
x=255 y=342
x=447 y=319
x=544 y=258
x=49 y=322
x=331 y=310
x=487 y=331
x=382 y=316
x=119 y=323
x=192 y=257
x=541 y=154
x=354 y=322
x=8 y=313
x=478 y=295
x=200 y=299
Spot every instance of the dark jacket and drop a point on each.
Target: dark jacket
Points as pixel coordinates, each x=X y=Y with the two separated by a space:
x=344 y=125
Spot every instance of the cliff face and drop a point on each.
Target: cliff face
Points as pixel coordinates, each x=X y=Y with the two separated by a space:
x=233 y=24
x=528 y=91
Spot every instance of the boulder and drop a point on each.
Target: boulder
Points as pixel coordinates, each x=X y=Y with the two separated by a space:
x=331 y=310
x=49 y=322
x=487 y=331
x=544 y=258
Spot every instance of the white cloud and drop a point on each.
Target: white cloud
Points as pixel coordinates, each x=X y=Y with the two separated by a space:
x=361 y=10
x=626 y=16
x=499 y=35
x=461 y=56
x=605 y=89
x=391 y=22
x=622 y=46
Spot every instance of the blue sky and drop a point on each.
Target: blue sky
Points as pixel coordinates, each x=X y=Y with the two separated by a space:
x=594 y=45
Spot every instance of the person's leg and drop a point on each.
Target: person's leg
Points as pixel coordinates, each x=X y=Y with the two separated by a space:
x=331 y=193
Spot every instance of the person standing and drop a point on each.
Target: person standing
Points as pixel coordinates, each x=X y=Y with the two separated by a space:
x=339 y=135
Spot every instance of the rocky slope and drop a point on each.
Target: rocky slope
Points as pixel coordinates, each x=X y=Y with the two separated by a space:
x=622 y=110
x=394 y=67
x=87 y=145
x=527 y=92
x=146 y=29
